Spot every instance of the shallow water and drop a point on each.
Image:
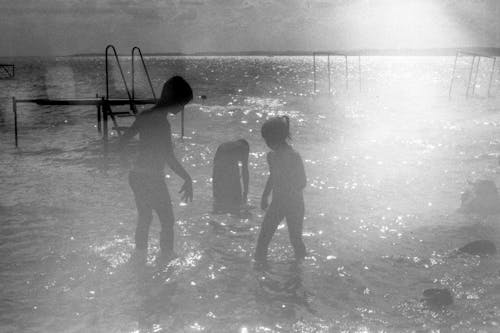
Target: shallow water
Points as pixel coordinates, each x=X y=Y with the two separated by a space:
x=385 y=168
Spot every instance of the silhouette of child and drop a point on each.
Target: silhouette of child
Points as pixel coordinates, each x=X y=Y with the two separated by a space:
x=286 y=181
x=147 y=178
x=228 y=197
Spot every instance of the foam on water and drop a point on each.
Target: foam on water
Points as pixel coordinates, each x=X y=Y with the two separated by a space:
x=385 y=170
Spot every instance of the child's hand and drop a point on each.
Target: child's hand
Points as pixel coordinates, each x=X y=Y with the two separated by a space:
x=187 y=191
x=263 y=203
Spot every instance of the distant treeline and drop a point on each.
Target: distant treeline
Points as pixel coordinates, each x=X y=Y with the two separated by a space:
x=491 y=51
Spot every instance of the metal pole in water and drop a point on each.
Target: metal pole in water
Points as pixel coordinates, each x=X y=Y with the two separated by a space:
x=314 y=73
x=133 y=75
x=491 y=75
x=346 y=75
x=14 y=109
x=475 y=76
x=105 y=126
x=470 y=76
x=329 y=81
x=98 y=115
x=359 y=71
x=182 y=125
x=453 y=75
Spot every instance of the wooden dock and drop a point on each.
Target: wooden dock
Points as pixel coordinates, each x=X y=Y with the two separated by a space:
x=102 y=105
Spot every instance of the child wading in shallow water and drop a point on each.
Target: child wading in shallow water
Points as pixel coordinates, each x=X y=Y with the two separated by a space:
x=147 y=178
x=286 y=181
x=227 y=179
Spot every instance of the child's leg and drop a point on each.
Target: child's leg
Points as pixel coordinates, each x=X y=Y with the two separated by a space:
x=163 y=207
x=295 y=221
x=226 y=187
x=144 y=210
x=271 y=221
x=167 y=219
x=144 y=219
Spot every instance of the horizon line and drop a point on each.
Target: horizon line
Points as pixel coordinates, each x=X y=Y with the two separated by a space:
x=436 y=51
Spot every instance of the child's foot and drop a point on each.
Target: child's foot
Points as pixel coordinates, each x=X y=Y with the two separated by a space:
x=165 y=258
x=260 y=262
x=139 y=257
x=260 y=265
x=300 y=258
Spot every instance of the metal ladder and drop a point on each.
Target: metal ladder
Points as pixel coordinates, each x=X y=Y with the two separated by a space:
x=106 y=109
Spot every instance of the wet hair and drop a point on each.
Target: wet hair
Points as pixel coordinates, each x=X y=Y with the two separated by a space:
x=245 y=143
x=175 y=91
x=276 y=130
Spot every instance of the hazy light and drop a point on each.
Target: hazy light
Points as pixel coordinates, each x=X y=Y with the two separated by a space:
x=404 y=23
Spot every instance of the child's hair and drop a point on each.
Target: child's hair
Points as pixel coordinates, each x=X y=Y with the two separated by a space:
x=245 y=144
x=243 y=141
x=175 y=91
x=276 y=130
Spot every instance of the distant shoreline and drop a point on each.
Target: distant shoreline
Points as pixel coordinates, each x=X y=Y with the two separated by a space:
x=451 y=51
x=484 y=51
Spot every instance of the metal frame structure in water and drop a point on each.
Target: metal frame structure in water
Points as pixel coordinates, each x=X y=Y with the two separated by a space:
x=329 y=54
x=474 y=55
x=103 y=104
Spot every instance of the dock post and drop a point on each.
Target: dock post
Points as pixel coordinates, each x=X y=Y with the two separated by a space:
x=470 y=76
x=329 y=83
x=359 y=71
x=346 y=74
x=14 y=109
x=182 y=124
x=491 y=75
x=105 y=126
x=99 y=130
x=453 y=75
x=314 y=73
x=475 y=76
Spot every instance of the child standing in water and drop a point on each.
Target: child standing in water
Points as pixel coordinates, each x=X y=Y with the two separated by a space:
x=147 y=178
x=226 y=177
x=286 y=181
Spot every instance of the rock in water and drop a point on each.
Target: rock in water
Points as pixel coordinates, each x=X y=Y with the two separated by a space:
x=479 y=248
x=437 y=298
x=482 y=198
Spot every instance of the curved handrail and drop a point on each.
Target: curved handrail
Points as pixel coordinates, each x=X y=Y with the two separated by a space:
x=145 y=70
x=131 y=99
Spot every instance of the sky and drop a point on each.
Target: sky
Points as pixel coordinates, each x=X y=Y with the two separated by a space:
x=64 y=27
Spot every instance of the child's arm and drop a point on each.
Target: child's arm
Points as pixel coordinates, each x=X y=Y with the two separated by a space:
x=268 y=188
x=297 y=176
x=124 y=139
x=301 y=174
x=265 y=195
x=129 y=134
x=173 y=163
x=245 y=176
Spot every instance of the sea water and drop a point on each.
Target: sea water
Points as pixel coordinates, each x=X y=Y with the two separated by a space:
x=386 y=155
